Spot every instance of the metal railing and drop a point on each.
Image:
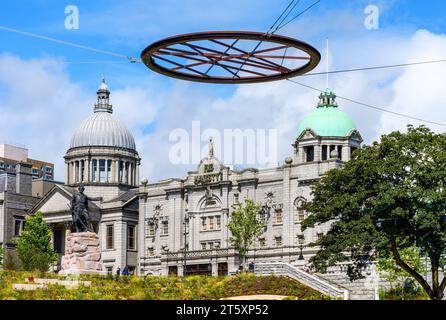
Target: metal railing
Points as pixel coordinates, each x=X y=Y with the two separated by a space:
x=312 y=281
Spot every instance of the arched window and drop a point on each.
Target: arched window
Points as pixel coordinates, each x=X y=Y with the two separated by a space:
x=299 y=212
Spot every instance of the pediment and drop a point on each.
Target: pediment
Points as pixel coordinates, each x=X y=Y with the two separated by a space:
x=54 y=201
x=355 y=135
x=308 y=134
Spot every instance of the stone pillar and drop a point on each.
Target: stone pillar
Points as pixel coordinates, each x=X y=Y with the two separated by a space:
x=73 y=167
x=67 y=172
x=124 y=172
x=106 y=170
x=80 y=171
x=117 y=171
x=301 y=155
x=130 y=173
x=87 y=170
x=137 y=174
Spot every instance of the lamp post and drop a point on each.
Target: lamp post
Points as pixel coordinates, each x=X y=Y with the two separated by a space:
x=301 y=239
x=185 y=222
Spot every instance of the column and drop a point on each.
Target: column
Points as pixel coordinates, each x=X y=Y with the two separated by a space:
x=124 y=172
x=130 y=173
x=301 y=155
x=79 y=171
x=106 y=170
x=87 y=170
x=67 y=173
x=73 y=167
x=117 y=171
x=137 y=174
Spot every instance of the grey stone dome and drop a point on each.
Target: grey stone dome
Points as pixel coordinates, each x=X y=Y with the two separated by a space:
x=102 y=128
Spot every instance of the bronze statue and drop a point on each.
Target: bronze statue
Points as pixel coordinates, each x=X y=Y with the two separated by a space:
x=79 y=212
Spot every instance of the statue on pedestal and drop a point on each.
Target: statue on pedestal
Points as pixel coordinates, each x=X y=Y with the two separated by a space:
x=79 y=211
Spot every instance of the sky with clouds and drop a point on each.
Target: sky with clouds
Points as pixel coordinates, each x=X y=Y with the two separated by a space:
x=43 y=98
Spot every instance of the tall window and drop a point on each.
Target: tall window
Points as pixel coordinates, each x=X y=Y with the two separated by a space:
x=151 y=232
x=299 y=210
x=218 y=218
x=18 y=227
x=102 y=170
x=131 y=237
x=82 y=170
x=324 y=153
x=309 y=153
x=95 y=170
x=262 y=243
x=211 y=223
x=109 y=237
x=278 y=217
x=109 y=169
x=278 y=241
x=204 y=225
x=165 y=228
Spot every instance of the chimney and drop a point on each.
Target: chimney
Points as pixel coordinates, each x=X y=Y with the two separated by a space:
x=23 y=178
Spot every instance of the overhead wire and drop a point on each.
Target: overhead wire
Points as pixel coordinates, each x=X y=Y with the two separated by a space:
x=369 y=105
x=71 y=44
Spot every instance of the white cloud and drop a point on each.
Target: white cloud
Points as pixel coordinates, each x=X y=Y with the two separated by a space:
x=41 y=106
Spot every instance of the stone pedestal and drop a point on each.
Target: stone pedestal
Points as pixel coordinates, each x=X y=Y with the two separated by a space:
x=82 y=254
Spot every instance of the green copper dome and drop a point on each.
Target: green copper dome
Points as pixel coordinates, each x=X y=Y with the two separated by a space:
x=327 y=120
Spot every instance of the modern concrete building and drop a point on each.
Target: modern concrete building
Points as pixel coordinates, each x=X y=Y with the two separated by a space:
x=11 y=155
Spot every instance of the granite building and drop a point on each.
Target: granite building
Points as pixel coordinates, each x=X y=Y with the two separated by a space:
x=158 y=228
x=183 y=221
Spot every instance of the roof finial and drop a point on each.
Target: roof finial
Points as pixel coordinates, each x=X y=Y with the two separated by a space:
x=326 y=74
x=211 y=148
x=103 y=78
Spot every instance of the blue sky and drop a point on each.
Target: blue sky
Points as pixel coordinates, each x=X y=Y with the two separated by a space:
x=127 y=27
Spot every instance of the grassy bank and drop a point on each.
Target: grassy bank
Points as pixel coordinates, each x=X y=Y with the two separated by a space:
x=156 y=288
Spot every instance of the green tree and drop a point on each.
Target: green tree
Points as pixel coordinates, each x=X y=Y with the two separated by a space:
x=2 y=251
x=390 y=271
x=390 y=197
x=245 y=227
x=34 y=247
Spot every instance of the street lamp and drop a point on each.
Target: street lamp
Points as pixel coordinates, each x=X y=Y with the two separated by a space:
x=301 y=239
x=185 y=222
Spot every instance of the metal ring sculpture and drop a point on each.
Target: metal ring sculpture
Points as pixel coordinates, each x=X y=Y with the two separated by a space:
x=231 y=57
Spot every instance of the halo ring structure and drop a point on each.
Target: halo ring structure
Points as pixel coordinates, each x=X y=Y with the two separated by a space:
x=233 y=57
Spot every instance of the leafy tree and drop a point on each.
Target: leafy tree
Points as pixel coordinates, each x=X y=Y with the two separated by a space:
x=34 y=247
x=245 y=227
x=2 y=251
x=390 y=197
x=393 y=273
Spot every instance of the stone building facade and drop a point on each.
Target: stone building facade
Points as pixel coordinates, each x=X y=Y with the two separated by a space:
x=158 y=228
x=103 y=158
x=182 y=222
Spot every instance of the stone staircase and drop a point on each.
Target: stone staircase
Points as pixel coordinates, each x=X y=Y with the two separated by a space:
x=312 y=281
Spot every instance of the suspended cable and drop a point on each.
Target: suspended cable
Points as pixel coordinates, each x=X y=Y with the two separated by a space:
x=67 y=62
x=281 y=15
x=284 y=18
x=67 y=43
x=297 y=16
x=375 y=67
x=371 y=106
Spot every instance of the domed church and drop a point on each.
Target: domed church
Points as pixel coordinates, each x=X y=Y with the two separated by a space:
x=178 y=226
x=102 y=157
